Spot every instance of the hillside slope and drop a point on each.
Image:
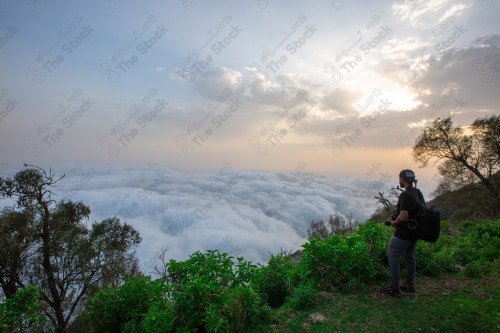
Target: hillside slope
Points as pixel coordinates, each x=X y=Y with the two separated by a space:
x=471 y=202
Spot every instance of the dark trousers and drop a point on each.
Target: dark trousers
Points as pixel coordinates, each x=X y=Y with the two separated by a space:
x=397 y=248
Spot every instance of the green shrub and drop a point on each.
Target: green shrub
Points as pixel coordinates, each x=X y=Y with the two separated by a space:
x=123 y=309
x=211 y=292
x=477 y=269
x=302 y=297
x=341 y=263
x=160 y=318
x=435 y=258
x=274 y=281
x=479 y=241
x=377 y=236
x=22 y=313
x=425 y=256
x=245 y=308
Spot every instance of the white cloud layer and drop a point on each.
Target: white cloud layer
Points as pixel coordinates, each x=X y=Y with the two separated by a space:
x=244 y=213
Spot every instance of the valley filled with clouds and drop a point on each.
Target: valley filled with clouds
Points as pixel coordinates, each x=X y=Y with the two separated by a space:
x=245 y=213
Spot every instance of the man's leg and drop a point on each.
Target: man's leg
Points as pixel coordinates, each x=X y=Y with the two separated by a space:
x=411 y=264
x=396 y=248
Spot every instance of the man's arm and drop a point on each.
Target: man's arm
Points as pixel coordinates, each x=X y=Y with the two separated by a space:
x=406 y=203
x=403 y=215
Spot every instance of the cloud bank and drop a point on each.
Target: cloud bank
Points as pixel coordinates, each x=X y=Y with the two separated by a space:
x=244 y=213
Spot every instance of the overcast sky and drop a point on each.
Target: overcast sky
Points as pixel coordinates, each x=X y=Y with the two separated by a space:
x=262 y=84
x=343 y=87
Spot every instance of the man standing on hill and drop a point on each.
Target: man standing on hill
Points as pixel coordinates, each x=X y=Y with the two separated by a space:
x=405 y=237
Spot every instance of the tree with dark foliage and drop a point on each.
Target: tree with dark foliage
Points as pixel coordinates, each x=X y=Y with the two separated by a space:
x=465 y=158
x=46 y=243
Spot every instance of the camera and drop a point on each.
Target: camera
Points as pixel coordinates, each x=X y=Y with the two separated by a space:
x=388 y=222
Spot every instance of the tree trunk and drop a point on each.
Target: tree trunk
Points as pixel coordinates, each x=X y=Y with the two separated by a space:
x=48 y=270
x=10 y=287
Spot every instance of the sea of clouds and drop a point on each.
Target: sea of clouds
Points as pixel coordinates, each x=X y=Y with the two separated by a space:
x=244 y=213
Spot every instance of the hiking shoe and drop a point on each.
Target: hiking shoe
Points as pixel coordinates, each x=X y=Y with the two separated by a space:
x=391 y=291
x=408 y=288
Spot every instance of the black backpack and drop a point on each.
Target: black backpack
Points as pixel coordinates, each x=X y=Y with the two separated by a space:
x=428 y=223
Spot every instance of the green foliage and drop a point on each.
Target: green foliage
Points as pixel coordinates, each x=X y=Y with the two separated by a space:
x=49 y=244
x=480 y=241
x=376 y=236
x=274 y=281
x=212 y=293
x=303 y=297
x=343 y=263
x=160 y=317
x=22 y=312
x=429 y=263
x=245 y=308
x=477 y=269
x=124 y=309
x=209 y=292
x=471 y=308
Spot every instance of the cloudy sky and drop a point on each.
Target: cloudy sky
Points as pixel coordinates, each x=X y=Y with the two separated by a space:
x=334 y=89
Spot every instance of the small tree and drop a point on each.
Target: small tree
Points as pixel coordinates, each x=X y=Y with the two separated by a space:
x=386 y=202
x=464 y=157
x=49 y=245
x=335 y=225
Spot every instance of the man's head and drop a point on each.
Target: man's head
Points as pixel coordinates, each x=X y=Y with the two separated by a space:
x=406 y=178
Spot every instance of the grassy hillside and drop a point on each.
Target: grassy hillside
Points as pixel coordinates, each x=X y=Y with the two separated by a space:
x=332 y=288
x=469 y=202
x=451 y=303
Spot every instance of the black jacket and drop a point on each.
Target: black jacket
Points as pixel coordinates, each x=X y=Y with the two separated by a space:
x=406 y=201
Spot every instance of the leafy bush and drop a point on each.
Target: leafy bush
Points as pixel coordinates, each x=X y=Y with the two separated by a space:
x=426 y=258
x=160 y=318
x=245 y=308
x=303 y=297
x=274 y=281
x=377 y=236
x=212 y=293
x=480 y=241
x=340 y=263
x=477 y=269
x=123 y=309
x=22 y=313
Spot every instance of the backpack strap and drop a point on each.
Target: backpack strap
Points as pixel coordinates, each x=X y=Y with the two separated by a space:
x=415 y=198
